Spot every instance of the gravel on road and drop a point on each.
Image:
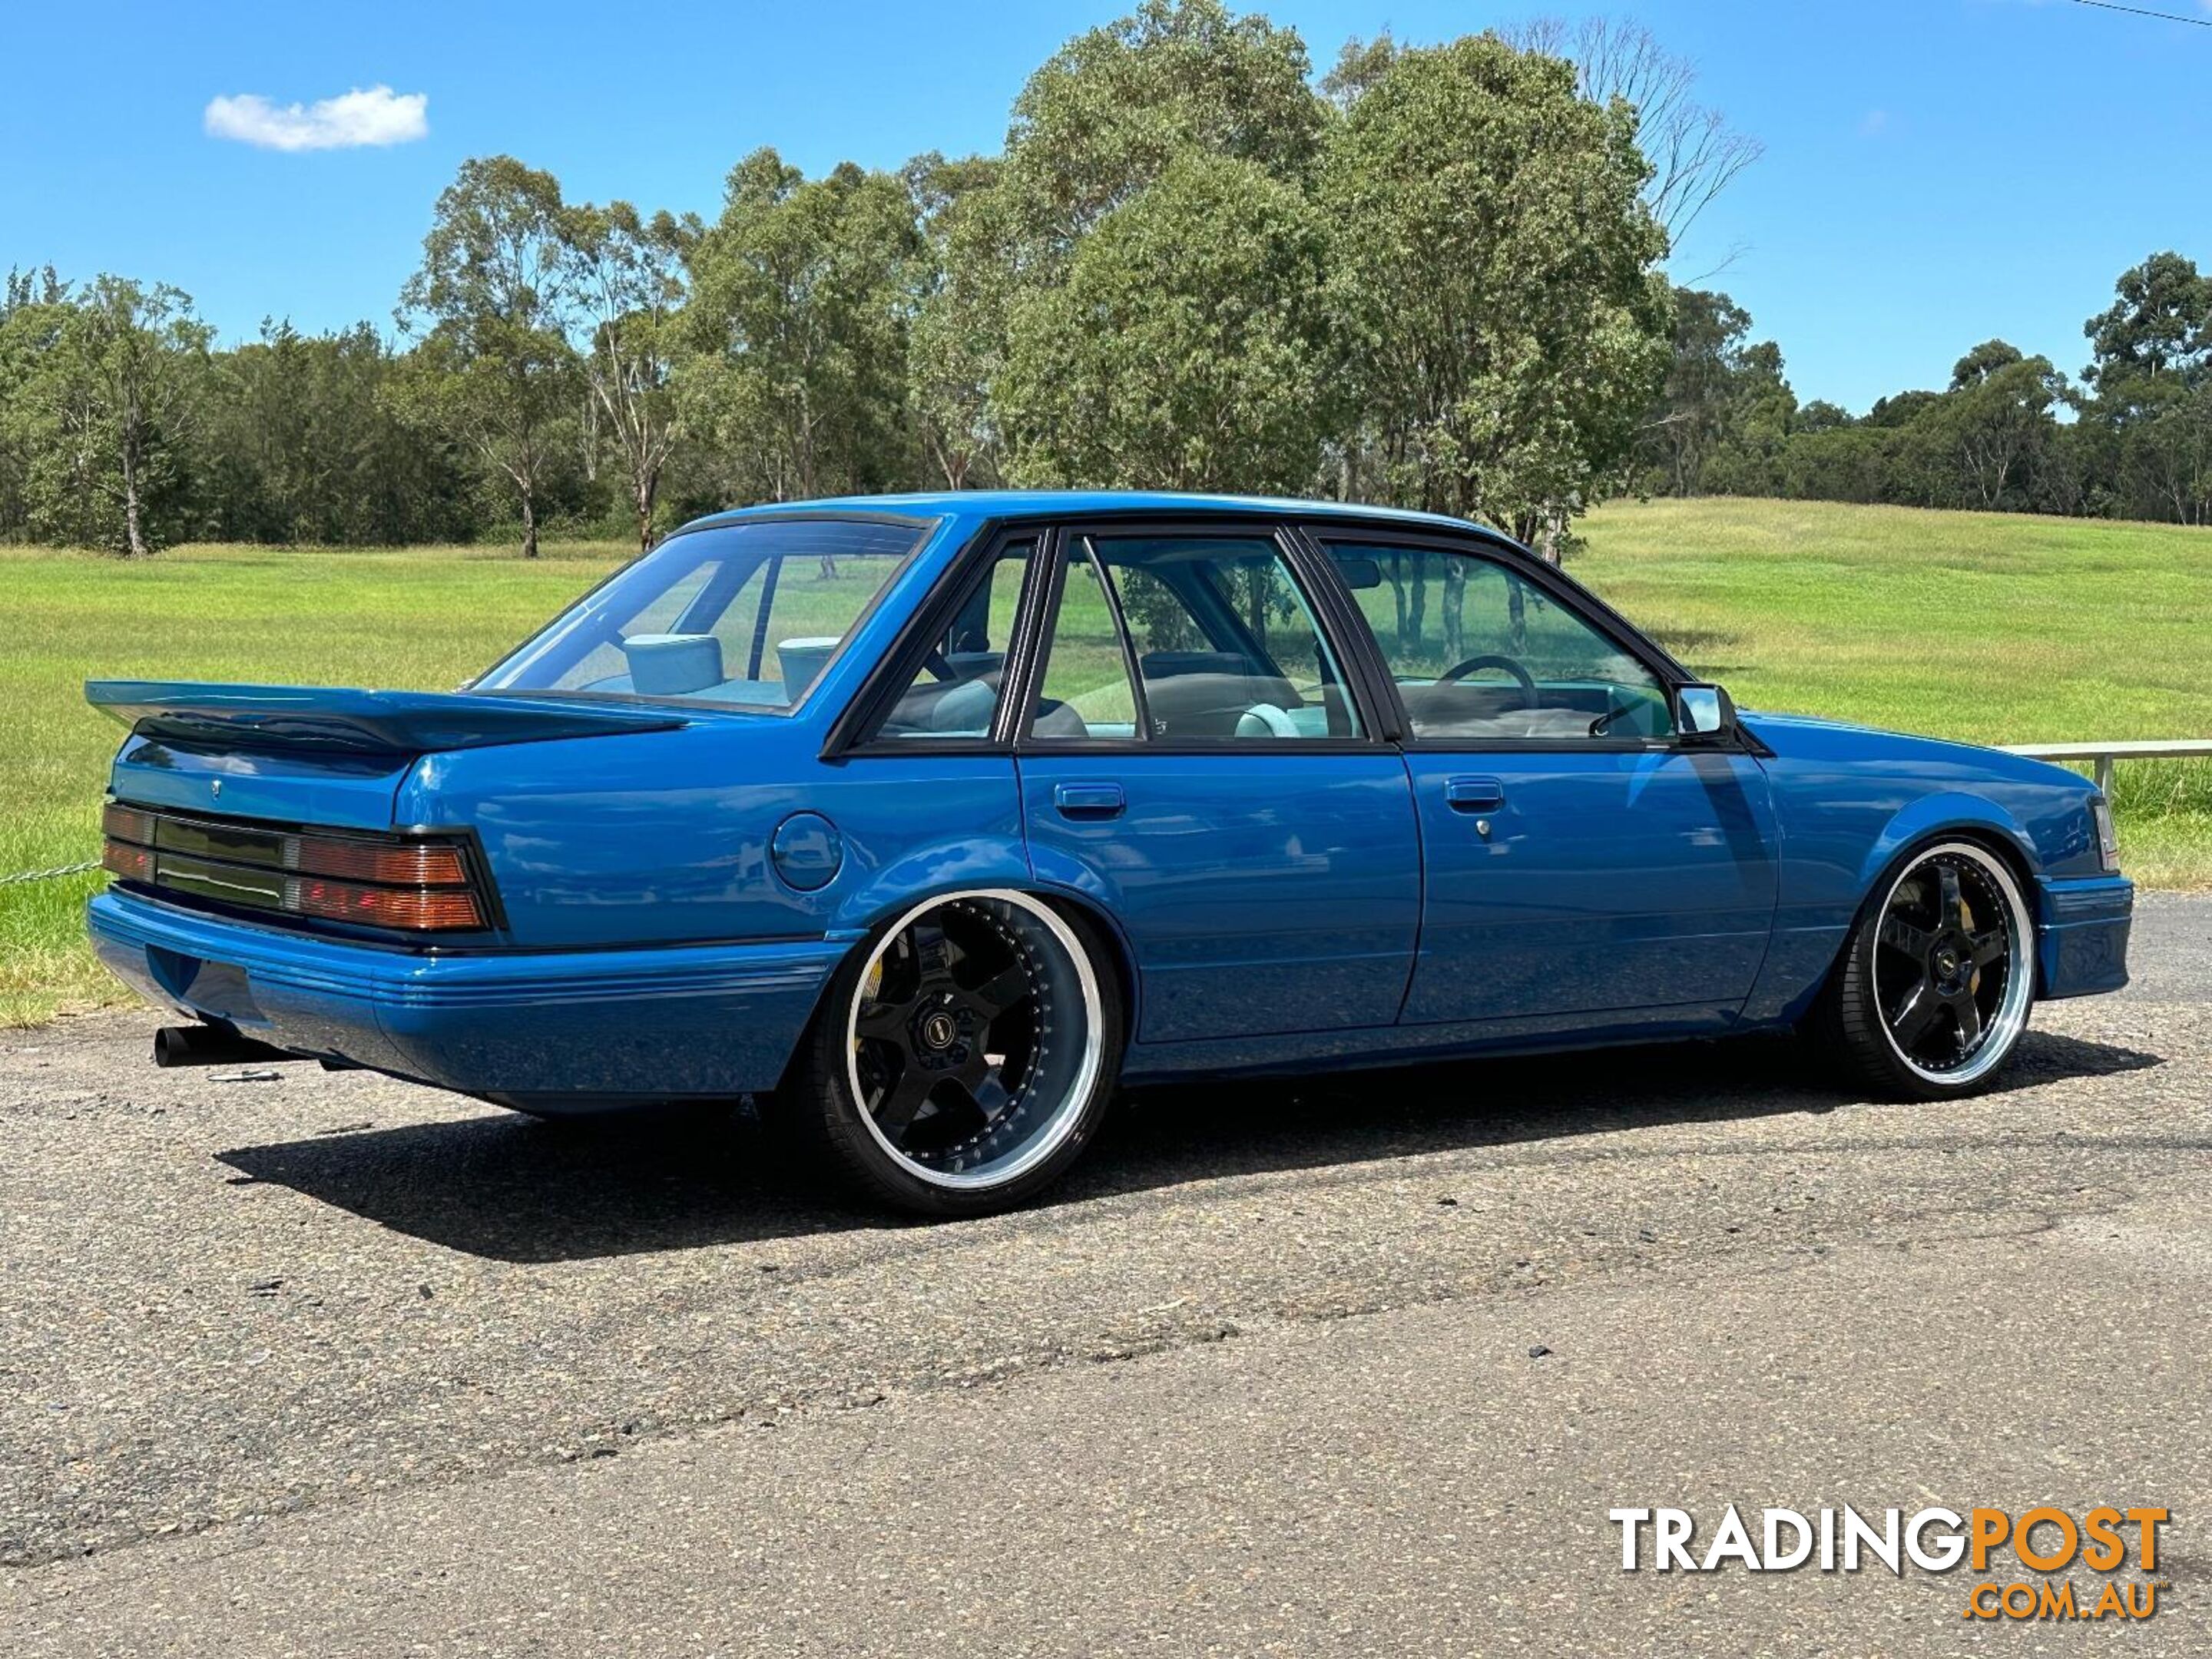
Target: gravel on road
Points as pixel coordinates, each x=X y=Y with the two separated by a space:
x=274 y=1347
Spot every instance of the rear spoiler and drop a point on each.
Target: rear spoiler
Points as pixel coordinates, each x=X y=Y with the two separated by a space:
x=294 y=717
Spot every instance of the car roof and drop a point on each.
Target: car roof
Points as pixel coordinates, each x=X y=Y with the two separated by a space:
x=1035 y=503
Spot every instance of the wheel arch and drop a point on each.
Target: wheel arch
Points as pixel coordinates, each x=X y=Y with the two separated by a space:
x=1951 y=815
x=1991 y=829
x=1112 y=942
x=945 y=872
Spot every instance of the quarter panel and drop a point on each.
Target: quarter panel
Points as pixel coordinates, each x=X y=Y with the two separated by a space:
x=664 y=838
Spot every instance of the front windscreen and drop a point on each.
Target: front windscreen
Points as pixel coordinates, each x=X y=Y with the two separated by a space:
x=744 y=615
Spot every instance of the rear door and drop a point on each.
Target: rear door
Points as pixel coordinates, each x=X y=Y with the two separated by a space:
x=1582 y=858
x=1193 y=757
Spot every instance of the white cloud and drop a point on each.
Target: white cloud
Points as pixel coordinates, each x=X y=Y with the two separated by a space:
x=377 y=116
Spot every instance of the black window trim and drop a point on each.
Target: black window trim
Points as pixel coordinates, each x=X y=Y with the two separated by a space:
x=857 y=732
x=1300 y=536
x=1319 y=533
x=1140 y=709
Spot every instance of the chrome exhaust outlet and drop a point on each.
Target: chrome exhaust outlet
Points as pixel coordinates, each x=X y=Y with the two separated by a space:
x=211 y=1045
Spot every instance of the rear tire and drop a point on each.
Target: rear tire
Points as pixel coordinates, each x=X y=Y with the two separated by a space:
x=1933 y=991
x=961 y=1059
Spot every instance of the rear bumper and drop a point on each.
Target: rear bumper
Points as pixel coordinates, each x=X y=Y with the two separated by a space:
x=577 y=1028
x=2081 y=940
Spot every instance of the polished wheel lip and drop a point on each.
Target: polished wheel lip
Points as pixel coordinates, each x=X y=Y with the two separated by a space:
x=1064 y=1115
x=2010 y=1018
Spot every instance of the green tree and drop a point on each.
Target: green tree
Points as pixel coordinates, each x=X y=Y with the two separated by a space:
x=108 y=396
x=1187 y=348
x=802 y=296
x=1095 y=131
x=299 y=441
x=2151 y=417
x=958 y=342
x=495 y=369
x=1724 y=409
x=1497 y=276
x=1997 y=415
x=627 y=274
x=2160 y=323
x=33 y=306
x=1108 y=114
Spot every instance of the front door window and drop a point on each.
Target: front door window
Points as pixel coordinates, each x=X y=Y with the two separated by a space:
x=1480 y=653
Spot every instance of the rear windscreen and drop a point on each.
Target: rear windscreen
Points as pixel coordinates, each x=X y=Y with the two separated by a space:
x=745 y=615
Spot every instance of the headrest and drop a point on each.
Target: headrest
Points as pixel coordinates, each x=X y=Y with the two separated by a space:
x=1264 y=720
x=671 y=664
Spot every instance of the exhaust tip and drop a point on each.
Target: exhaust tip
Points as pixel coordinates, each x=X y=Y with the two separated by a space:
x=211 y=1045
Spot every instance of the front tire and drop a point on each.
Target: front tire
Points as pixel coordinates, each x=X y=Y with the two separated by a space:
x=1932 y=994
x=962 y=1061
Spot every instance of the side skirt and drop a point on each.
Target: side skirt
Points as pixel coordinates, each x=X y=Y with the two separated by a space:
x=1399 y=1045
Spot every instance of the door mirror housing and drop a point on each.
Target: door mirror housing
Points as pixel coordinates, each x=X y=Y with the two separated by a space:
x=1703 y=711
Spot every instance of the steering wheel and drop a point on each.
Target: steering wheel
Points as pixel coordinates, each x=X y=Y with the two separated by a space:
x=1476 y=664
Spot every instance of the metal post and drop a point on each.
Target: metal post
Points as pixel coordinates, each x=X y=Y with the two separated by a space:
x=2104 y=775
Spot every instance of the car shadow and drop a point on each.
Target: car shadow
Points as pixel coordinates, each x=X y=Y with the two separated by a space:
x=514 y=1190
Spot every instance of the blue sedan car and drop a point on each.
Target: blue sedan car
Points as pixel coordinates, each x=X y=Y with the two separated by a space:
x=926 y=819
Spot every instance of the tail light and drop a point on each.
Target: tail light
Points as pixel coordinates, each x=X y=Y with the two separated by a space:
x=132 y=863
x=406 y=884
x=413 y=907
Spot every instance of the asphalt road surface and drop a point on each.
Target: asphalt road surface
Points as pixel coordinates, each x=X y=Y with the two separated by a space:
x=300 y=1363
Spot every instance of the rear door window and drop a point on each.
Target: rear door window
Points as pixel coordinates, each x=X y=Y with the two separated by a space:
x=1188 y=639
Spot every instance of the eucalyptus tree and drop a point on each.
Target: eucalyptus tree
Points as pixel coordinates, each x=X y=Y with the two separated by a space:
x=2152 y=370
x=1187 y=346
x=957 y=344
x=2159 y=325
x=109 y=376
x=494 y=295
x=1694 y=154
x=1147 y=302
x=1997 y=417
x=1496 y=277
x=1725 y=410
x=1106 y=115
x=627 y=275
x=802 y=296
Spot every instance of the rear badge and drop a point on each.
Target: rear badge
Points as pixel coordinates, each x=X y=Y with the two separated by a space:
x=218 y=788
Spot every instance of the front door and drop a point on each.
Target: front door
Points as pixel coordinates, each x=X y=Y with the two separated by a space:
x=1193 y=759
x=1581 y=857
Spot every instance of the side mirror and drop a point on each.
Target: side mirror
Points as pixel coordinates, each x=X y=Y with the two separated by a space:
x=1703 y=711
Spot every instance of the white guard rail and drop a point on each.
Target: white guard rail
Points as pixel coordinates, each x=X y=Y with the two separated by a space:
x=2104 y=754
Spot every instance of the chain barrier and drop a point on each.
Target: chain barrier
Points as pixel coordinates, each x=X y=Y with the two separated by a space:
x=54 y=874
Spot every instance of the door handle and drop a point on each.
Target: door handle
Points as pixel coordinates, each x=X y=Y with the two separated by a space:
x=1473 y=795
x=1088 y=801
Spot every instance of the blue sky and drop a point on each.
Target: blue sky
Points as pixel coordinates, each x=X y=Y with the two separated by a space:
x=1935 y=172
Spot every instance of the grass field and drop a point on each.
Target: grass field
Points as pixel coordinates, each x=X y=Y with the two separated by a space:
x=423 y=617
x=1993 y=628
